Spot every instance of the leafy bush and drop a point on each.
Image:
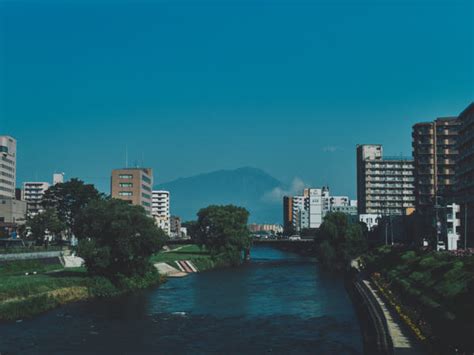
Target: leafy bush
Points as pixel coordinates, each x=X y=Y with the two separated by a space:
x=102 y=287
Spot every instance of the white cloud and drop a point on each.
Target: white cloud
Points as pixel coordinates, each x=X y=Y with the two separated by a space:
x=276 y=195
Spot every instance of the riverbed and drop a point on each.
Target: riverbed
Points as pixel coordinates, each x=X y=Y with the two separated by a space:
x=278 y=303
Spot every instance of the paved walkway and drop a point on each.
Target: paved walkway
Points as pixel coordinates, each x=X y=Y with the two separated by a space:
x=400 y=338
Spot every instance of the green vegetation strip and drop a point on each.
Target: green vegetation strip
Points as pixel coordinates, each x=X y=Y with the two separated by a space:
x=434 y=290
x=28 y=288
x=201 y=258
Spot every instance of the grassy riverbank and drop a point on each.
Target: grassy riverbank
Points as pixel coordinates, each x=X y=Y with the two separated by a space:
x=200 y=257
x=431 y=291
x=31 y=287
x=28 y=288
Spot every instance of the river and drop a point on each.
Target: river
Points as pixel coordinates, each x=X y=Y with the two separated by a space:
x=278 y=303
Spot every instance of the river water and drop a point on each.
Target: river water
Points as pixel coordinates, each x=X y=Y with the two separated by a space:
x=278 y=303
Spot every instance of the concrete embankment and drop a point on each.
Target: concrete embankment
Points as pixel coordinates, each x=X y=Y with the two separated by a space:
x=382 y=331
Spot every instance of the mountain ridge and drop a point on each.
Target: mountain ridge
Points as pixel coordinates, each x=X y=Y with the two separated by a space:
x=245 y=186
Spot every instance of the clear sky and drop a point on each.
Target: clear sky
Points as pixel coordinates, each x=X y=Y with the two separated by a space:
x=193 y=86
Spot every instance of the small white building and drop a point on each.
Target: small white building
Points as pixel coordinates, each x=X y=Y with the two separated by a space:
x=58 y=178
x=161 y=210
x=453 y=224
x=33 y=195
x=370 y=219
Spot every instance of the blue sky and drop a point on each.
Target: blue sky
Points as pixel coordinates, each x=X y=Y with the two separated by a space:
x=193 y=86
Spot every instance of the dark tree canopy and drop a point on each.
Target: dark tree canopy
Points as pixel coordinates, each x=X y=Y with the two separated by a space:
x=223 y=229
x=339 y=241
x=47 y=221
x=68 y=199
x=116 y=238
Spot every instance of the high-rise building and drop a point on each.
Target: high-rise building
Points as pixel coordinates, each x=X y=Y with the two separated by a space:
x=288 y=213
x=435 y=153
x=385 y=185
x=314 y=204
x=300 y=219
x=33 y=195
x=465 y=173
x=161 y=209
x=133 y=185
x=7 y=166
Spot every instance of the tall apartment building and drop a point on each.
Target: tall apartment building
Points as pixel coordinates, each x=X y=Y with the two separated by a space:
x=435 y=153
x=7 y=166
x=287 y=213
x=465 y=172
x=300 y=218
x=33 y=195
x=133 y=185
x=161 y=209
x=385 y=185
x=314 y=203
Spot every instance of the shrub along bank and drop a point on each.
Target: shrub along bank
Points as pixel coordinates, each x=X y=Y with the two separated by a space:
x=432 y=291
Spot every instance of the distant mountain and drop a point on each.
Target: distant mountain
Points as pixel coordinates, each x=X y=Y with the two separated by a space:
x=246 y=187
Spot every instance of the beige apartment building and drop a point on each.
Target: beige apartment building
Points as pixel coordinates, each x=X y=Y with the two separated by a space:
x=134 y=185
x=435 y=153
x=384 y=184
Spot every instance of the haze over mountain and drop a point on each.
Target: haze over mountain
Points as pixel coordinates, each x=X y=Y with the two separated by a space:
x=248 y=187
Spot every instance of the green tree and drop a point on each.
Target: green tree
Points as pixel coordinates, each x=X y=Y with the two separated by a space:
x=68 y=199
x=46 y=222
x=339 y=241
x=223 y=230
x=117 y=239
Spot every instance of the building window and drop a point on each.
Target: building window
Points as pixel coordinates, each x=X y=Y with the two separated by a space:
x=146 y=179
x=144 y=195
x=126 y=184
x=126 y=176
x=125 y=193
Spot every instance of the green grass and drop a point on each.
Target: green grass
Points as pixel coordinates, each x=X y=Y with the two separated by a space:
x=187 y=252
x=437 y=285
x=27 y=266
x=201 y=258
x=21 y=286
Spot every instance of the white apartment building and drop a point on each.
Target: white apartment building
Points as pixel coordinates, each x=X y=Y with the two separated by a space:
x=7 y=166
x=315 y=206
x=33 y=195
x=453 y=226
x=298 y=208
x=161 y=209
